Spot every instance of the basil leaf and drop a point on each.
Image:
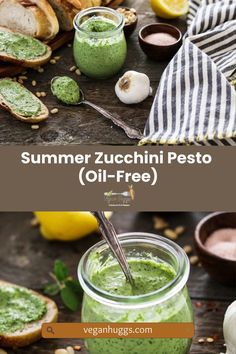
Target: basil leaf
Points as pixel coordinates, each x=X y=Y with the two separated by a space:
x=74 y=285
x=52 y=289
x=60 y=270
x=70 y=298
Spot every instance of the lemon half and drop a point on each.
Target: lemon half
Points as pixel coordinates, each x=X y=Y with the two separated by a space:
x=67 y=226
x=170 y=8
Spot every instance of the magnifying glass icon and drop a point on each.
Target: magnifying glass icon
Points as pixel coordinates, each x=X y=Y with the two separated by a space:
x=50 y=330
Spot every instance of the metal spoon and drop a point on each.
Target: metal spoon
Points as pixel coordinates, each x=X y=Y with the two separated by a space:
x=132 y=133
x=110 y=235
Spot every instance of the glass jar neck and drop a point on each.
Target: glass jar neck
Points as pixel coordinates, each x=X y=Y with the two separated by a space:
x=105 y=13
x=147 y=244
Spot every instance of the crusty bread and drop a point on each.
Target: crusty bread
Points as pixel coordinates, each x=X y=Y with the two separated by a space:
x=32 y=332
x=33 y=17
x=66 y=11
x=90 y=3
x=44 y=113
x=26 y=63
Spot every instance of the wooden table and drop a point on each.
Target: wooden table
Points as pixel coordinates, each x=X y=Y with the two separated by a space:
x=82 y=125
x=26 y=259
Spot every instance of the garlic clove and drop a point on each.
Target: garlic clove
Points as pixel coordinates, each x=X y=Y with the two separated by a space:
x=133 y=87
x=229 y=329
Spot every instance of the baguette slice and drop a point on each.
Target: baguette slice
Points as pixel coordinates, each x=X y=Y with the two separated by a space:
x=42 y=115
x=30 y=63
x=90 y=3
x=35 y=18
x=32 y=332
x=65 y=11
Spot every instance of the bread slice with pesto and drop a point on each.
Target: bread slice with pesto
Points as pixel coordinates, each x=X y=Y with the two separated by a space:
x=22 y=49
x=18 y=332
x=21 y=103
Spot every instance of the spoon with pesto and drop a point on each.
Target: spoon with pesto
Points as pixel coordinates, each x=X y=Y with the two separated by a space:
x=66 y=90
x=109 y=234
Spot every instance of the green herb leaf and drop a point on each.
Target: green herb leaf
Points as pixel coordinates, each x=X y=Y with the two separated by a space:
x=70 y=298
x=52 y=289
x=60 y=270
x=74 y=285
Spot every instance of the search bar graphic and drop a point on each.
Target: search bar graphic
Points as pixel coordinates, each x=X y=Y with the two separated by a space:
x=117 y=330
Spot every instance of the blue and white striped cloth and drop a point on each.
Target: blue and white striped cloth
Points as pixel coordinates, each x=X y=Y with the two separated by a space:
x=195 y=103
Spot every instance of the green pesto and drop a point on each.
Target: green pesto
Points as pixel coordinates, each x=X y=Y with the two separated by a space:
x=66 y=89
x=100 y=51
x=19 y=307
x=21 y=46
x=148 y=276
x=19 y=98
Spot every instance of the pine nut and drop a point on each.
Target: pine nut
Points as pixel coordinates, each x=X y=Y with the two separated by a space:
x=53 y=61
x=61 y=351
x=188 y=249
x=180 y=230
x=73 y=68
x=210 y=340
x=54 y=111
x=194 y=260
x=34 y=83
x=77 y=348
x=78 y=72
x=40 y=70
x=2 y=351
x=35 y=126
x=171 y=234
x=70 y=350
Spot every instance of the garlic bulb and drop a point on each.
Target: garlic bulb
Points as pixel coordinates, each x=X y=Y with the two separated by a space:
x=133 y=87
x=229 y=329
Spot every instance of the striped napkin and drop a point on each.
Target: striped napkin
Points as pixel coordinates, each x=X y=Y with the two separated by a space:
x=195 y=102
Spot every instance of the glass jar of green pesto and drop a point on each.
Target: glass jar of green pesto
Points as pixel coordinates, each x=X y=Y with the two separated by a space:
x=160 y=269
x=99 y=46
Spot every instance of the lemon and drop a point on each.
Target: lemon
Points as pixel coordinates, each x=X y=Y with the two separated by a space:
x=67 y=226
x=170 y=8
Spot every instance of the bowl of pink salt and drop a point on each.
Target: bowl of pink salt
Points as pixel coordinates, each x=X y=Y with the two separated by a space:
x=160 y=41
x=215 y=242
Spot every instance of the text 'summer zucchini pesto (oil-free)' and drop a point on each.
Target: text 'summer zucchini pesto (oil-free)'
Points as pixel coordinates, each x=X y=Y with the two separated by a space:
x=156 y=272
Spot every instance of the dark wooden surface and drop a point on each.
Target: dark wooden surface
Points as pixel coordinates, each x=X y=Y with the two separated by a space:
x=26 y=259
x=82 y=125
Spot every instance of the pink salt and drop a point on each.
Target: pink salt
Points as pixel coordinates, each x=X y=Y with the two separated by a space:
x=160 y=38
x=222 y=243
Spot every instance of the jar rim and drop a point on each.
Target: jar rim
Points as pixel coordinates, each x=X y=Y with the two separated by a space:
x=158 y=296
x=101 y=9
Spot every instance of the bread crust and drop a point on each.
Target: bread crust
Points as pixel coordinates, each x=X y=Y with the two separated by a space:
x=53 y=25
x=66 y=11
x=46 y=22
x=44 y=113
x=32 y=332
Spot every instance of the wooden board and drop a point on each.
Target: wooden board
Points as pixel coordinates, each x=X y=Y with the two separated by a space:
x=26 y=259
x=9 y=70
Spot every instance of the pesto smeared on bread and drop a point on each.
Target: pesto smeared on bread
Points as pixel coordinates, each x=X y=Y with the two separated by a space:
x=21 y=102
x=19 y=307
x=21 y=46
x=19 y=97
